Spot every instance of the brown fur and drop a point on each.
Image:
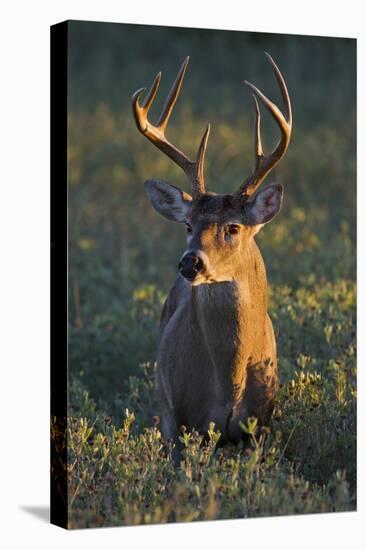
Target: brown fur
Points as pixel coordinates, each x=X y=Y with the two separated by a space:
x=217 y=352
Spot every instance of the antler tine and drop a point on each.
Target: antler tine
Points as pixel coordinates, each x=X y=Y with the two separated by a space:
x=283 y=88
x=140 y=111
x=264 y=164
x=200 y=162
x=172 y=97
x=258 y=150
x=152 y=93
x=156 y=134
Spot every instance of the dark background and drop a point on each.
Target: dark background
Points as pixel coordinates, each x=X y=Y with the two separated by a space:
x=122 y=255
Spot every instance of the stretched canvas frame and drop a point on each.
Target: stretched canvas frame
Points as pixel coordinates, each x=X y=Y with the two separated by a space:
x=329 y=360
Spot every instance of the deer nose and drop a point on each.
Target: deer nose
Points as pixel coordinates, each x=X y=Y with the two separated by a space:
x=190 y=264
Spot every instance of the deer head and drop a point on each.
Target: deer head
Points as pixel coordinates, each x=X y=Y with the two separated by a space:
x=219 y=227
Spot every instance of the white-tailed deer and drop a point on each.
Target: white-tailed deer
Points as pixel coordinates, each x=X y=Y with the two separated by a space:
x=217 y=351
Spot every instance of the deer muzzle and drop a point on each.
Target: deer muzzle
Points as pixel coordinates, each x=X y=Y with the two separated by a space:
x=192 y=263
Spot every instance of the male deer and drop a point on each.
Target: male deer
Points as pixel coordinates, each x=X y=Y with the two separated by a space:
x=217 y=351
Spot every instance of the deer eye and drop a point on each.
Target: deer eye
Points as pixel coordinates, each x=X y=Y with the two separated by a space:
x=232 y=229
x=189 y=228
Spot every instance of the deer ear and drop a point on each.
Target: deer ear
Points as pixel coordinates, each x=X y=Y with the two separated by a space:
x=266 y=204
x=169 y=201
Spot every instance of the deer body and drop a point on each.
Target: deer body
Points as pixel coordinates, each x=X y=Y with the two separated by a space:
x=217 y=351
x=223 y=368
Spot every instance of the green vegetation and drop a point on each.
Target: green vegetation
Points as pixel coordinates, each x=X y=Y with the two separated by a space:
x=122 y=261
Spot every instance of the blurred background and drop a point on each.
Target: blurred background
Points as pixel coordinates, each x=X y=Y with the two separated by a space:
x=122 y=254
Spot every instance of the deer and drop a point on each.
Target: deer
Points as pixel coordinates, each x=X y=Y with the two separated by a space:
x=216 y=356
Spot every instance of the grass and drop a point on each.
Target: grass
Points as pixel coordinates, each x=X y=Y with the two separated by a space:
x=120 y=470
x=122 y=262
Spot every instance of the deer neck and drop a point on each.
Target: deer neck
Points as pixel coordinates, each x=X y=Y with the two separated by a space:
x=229 y=318
x=245 y=294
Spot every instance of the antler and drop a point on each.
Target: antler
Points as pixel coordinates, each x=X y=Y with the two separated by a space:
x=263 y=164
x=156 y=134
